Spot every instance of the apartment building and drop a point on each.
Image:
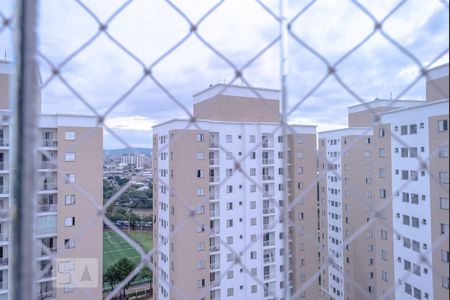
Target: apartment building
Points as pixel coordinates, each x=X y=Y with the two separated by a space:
x=220 y=187
x=69 y=189
x=380 y=206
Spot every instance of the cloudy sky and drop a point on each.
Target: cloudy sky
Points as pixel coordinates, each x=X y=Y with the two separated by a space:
x=239 y=29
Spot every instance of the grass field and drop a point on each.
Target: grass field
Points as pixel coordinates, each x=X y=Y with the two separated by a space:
x=115 y=247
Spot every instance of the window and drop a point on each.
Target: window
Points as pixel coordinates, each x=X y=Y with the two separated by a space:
x=413 y=152
x=69 y=178
x=443 y=151
x=200 y=247
x=230 y=275
x=253 y=188
x=253 y=139
x=384 y=255
x=404 y=152
x=444 y=228
x=229 y=188
x=445 y=282
x=406 y=243
x=69 y=135
x=382 y=173
x=414 y=198
x=229 y=138
x=442 y=125
x=367 y=154
x=229 y=240
x=415 y=246
x=405 y=175
x=381 y=132
x=254 y=289
x=384 y=276
x=200 y=228
x=200 y=137
x=382 y=152
x=69 y=243
x=405 y=197
x=415 y=222
x=200 y=264
x=300 y=155
x=406 y=220
x=443 y=203
x=443 y=177
x=229 y=156
x=201 y=210
x=252 y=172
x=253 y=255
x=69 y=199
x=413 y=129
x=382 y=193
x=229 y=292
x=200 y=155
x=201 y=283
x=229 y=223
x=444 y=255
x=414 y=175
x=200 y=174
x=200 y=192
x=408 y=288
x=383 y=234
x=229 y=205
x=403 y=129
x=69 y=221
x=68 y=288
x=417 y=293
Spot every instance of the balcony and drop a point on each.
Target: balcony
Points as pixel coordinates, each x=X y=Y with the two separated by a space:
x=4 y=166
x=4 y=189
x=47 y=165
x=267 y=161
x=268 y=210
x=4 y=285
x=4 y=142
x=49 y=143
x=214 y=213
x=214 y=248
x=269 y=243
x=214 y=196
x=46 y=294
x=4 y=237
x=269 y=258
x=215 y=231
x=4 y=261
x=215 y=266
x=49 y=186
x=267 y=145
x=268 y=177
x=269 y=276
x=214 y=161
x=267 y=194
x=214 y=179
x=48 y=252
x=47 y=207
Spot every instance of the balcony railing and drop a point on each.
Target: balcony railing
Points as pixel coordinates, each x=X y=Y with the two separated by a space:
x=268 y=177
x=215 y=230
x=4 y=237
x=50 y=186
x=47 y=165
x=3 y=166
x=215 y=266
x=215 y=248
x=4 y=189
x=268 y=210
x=213 y=196
x=269 y=276
x=214 y=213
x=49 y=143
x=267 y=194
x=214 y=179
x=4 y=261
x=47 y=207
x=269 y=259
x=267 y=161
x=50 y=251
x=46 y=294
x=3 y=285
x=213 y=144
x=48 y=274
x=269 y=243
x=4 y=142
x=267 y=145
x=213 y=161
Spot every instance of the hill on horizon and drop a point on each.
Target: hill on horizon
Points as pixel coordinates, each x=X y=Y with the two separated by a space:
x=119 y=152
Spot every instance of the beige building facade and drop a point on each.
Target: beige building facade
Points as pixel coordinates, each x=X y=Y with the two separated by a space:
x=383 y=194
x=221 y=186
x=70 y=165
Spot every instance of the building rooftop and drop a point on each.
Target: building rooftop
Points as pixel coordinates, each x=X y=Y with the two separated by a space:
x=236 y=91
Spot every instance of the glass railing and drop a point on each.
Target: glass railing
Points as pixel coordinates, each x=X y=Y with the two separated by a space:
x=47 y=207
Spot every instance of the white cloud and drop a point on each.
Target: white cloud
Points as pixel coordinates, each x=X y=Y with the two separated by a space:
x=137 y=123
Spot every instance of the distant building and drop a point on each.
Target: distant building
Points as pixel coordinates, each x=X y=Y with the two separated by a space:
x=135 y=160
x=374 y=191
x=190 y=164
x=70 y=152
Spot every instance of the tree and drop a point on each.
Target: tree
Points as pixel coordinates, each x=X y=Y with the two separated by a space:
x=117 y=273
